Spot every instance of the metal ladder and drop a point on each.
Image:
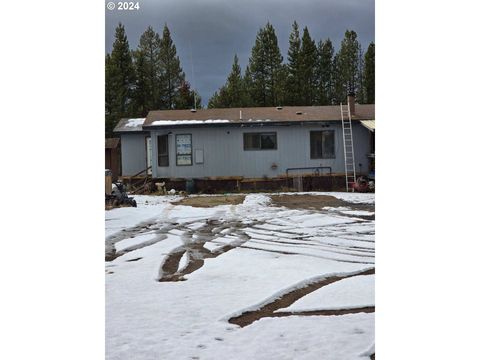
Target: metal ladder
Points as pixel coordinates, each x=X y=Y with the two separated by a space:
x=349 y=154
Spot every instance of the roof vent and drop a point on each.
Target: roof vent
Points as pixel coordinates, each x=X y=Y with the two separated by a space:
x=279 y=108
x=299 y=113
x=193 y=110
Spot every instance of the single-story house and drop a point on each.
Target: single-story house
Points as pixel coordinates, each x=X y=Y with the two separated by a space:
x=258 y=142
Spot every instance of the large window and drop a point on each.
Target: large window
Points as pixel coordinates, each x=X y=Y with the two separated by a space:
x=183 y=144
x=162 y=146
x=322 y=144
x=260 y=141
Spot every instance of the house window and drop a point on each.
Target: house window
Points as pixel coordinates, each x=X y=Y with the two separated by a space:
x=260 y=141
x=322 y=144
x=162 y=146
x=184 y=149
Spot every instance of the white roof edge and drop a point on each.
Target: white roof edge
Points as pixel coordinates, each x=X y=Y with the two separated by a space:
x=369 y=124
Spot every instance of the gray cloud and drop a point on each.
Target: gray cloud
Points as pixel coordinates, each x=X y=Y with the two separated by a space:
x=212 y=31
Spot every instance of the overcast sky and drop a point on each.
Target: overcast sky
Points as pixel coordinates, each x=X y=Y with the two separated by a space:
x=212 y=31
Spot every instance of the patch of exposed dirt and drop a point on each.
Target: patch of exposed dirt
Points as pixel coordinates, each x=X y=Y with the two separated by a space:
x=318 y=202
x=211 y=201
x=268 y=310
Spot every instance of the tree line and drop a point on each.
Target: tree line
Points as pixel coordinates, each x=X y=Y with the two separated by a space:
x=314 y=73
x=147 y=78
x=150 y=77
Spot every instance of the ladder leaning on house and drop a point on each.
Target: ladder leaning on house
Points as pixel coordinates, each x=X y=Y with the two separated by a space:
x=349 y=154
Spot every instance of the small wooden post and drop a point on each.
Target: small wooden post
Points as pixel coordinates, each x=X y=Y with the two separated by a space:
x=108 y=184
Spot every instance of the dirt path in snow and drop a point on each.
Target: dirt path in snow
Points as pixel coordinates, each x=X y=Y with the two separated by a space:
x=219 y=235
x=195 y=251
x=319 y=202
x=289 y=297
x=210 y=201
x=200 y=243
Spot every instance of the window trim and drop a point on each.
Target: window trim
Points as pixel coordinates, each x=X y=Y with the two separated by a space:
x=191 y=150
x=321 y=155
x=167 y=154
x=260 y=134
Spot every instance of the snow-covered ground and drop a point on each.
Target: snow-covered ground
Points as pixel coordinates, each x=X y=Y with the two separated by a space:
x=247 y=281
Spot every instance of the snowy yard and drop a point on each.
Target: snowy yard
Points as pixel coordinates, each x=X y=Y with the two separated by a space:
x=253 y=280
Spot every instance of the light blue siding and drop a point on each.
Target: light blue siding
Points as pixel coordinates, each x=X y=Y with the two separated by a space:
x=223 y=153
x=134 y=156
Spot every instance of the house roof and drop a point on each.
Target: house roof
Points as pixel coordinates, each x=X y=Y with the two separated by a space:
x=111 y=143
x=129 y=125
x=254 y=114
x=369 y=124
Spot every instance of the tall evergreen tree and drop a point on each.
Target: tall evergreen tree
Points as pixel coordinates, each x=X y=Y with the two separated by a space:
x=109 y=95
x=247 y=81
x=149 y=48
x=233 y=93
x=325 y=72
x=119 y=81
x=267 y=72
x=170 y=69
x=360 y=95
x=294 y=86
x=369 y=74
x=235 y=89
x=308 y=61
x=347 y=66
x=142 y=93
x=338 y=86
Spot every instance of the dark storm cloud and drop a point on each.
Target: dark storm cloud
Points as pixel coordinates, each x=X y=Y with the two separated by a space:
x=212 y=31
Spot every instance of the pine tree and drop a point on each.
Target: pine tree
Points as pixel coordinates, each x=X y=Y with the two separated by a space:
x=142 y=93
x=325 y=72
x=281 y=85
x=219 y=99
x=214 y=101
x=293 y=89
x=149 y=47
x=170 y=69
x=119 y=81
x=235 y=90
x=187 y=98
x=267 y=72
x=347 y=66
x=360 y=95
x=233 y=93
x=369 y=74
x=247 y=81
x=109 y=95
x=338 y=94
x=308 y=64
